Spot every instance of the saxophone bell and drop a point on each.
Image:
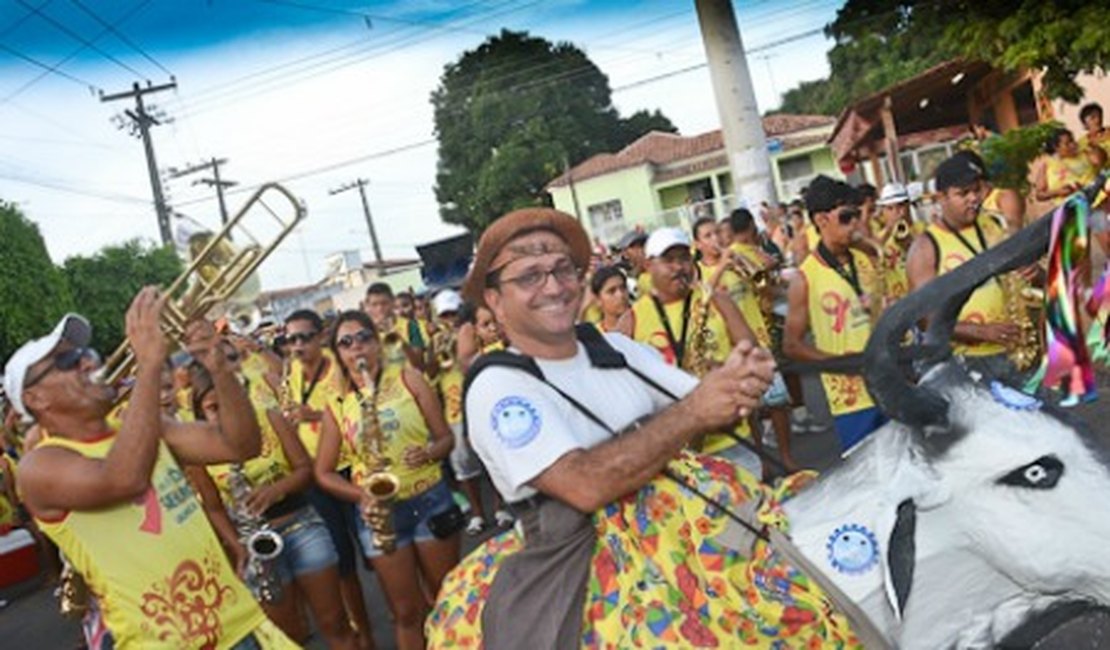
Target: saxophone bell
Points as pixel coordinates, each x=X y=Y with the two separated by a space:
x=264 y=545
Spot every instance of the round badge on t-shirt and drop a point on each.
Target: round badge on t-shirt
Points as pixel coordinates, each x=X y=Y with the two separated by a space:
x=516 y=421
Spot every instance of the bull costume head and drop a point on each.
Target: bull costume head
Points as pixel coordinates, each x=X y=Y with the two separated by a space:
x=977 y=507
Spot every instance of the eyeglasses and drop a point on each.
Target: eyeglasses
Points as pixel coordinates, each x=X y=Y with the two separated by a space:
x=848 y=215
x=232 y=356
x=564 y=272
x=301 y=337
x=362 y=336
x=66 y=360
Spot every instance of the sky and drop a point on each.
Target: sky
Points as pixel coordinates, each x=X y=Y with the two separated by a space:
x=315 y=94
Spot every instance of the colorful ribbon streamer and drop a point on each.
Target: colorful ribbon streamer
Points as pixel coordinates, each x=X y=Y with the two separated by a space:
x=1068 y=364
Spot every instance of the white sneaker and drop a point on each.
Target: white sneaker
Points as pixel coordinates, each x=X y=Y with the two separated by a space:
x=475 y=526
x=503 y=518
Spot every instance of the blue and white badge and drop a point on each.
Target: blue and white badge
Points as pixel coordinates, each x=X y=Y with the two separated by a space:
x=853 y=549
x=515 y=421
x=1013 y=399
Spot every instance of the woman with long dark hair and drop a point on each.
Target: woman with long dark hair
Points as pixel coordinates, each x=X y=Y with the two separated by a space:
x=390 y=405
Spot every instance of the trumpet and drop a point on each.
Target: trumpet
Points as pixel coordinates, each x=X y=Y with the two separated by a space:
x=379 y=483
x=443 y=344
x=218 y=270
x=901 y=230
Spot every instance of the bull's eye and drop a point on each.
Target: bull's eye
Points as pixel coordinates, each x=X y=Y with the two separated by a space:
x=1042 y=474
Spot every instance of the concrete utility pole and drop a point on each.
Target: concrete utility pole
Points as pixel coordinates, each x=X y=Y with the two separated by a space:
x=143 y=121
x=215 y=181
x=745 y=142
x=361 y=184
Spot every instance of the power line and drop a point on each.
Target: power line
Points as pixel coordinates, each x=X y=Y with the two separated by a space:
x=50 y=69
x=62 y=187
x=120 y=35
x=80 y=39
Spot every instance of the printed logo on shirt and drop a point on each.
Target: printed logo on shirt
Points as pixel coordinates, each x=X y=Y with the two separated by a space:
x=515 y=421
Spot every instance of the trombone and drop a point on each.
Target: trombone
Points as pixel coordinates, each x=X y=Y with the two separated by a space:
x=218 y=268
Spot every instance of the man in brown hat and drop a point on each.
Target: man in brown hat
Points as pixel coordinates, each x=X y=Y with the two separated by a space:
x=548 y=435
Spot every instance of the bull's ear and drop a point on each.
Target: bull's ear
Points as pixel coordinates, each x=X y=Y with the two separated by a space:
x=901 y=556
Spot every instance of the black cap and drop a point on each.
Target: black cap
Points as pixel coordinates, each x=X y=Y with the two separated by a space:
x=631 y=238
x=962 y=169
x=825 y=194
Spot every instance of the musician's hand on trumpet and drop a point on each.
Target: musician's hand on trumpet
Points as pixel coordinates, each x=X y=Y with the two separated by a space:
x=203 y=344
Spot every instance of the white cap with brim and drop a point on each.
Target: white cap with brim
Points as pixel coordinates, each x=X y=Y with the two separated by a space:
x=892 y=194
x=446 y=301
x=72 y=328
x=664 y=239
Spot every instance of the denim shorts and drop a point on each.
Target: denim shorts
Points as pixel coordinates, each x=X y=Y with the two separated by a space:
x=307 y=546
x=341 y=519
x=410 y=518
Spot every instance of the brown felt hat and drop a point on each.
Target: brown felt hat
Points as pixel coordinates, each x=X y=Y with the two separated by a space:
x=518 y=223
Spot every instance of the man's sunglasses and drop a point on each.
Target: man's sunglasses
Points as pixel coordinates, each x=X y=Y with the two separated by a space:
x=347 y=340
x=64 y=361
x=300 y=337
x=848 y=215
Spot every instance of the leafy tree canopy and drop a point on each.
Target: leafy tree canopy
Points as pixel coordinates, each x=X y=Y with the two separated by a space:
x=106 y=282
x=510 y=114
x=881 y=42
x=33 y=293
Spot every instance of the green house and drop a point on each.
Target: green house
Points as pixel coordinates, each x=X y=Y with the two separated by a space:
x=668 y=179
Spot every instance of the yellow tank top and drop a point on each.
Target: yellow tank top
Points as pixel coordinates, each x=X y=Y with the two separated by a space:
x=840 y=324
x=450 y=389
x=592 y=314
x=648 y=328
x=154 y=564
x=1068 y=171
x=184 y=399
x=7 y=508
x=812 y=236
x=402 y=426
x=896 y=282
x=643 y=284
x=267 y=467
x=988 y=303
x=745 y=298
x=318 y=395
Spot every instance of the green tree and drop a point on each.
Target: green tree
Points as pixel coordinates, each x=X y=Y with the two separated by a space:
x=107 y=282
x=510 y=114
x=33 y=291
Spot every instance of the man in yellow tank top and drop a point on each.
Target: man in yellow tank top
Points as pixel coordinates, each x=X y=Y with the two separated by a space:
x=983 y=330
x=405 y=338
x=829 y=298
x=117 y=503
x=666 y=319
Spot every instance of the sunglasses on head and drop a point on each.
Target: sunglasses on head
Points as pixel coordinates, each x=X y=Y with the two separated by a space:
x=347 y=340
x=67 y=360
x=301 y=337
x=847 y=215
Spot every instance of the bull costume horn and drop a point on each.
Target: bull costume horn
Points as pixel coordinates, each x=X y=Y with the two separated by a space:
x=915 y=405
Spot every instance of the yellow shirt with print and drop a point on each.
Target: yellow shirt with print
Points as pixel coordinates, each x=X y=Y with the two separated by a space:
x=988 y=303
x=156 y=566
x=402 y=426
x=318 y=396
x=267 y=467
x=841 y=324
x=744 y=296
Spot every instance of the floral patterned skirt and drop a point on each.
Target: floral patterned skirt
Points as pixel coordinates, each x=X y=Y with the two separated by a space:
x=661 y=577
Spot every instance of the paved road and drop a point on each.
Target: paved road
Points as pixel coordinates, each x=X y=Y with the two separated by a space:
x=31 y=620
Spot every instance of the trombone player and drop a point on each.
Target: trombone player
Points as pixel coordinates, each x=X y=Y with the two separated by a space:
x=95 y=490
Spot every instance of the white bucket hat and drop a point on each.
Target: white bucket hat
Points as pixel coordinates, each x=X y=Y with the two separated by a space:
x=893 y=193
x=73 y=328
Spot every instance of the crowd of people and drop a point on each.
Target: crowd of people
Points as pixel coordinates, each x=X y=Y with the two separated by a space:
x=567 y=376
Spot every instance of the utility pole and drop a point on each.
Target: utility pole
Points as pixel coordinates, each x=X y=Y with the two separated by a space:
x=142 y=121
x=745 y=142
x=215 y=181
x=361 y=184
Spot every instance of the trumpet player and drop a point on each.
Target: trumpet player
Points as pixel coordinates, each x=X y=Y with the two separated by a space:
x=116 y=500
x=894 y=237
x=278 y=477
x=391 y=407
x=404 y=337
x=692 y=326
x=313 y=381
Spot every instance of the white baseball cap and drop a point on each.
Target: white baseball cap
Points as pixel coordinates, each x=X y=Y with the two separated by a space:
x=446 y=301
x=892 y=194
x=72 y=328
x=664 y=239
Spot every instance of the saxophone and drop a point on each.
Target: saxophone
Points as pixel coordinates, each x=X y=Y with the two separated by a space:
x=1023 y=303
x=72 y=591
x=443 y=344
x=285 y=394
x=263 y=543
x=696 y=359
x=378 y=483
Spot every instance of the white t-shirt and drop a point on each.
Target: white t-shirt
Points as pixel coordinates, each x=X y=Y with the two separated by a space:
x=520 y=426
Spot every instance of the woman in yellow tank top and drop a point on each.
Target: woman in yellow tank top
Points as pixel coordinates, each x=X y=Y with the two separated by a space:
x=1066 y=169
x=610 y=285
x=279 y=476
x=414 y=439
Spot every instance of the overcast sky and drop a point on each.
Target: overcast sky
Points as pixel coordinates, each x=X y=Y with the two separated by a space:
x=316 y=93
